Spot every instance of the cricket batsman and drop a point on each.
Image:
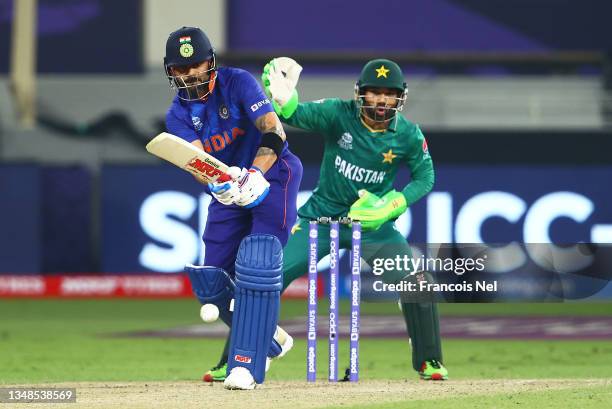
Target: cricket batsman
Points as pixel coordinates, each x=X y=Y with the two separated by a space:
x=366 y=141
x=224 y=112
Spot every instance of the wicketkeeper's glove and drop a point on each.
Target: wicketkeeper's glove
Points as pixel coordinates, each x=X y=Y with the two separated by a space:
x=280 y=77
x=372 y=211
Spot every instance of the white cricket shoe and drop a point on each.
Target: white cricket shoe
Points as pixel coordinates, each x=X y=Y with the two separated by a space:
x=239 y=378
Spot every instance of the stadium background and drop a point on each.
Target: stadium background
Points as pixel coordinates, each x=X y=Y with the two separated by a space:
x=508 y=104
x=494 y=90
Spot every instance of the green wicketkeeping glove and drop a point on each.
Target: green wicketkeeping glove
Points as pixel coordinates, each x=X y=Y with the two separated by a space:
x=279 y=78
x=373 y=211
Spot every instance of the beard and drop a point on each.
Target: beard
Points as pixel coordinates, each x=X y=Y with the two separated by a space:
x=372 y=113
x=193 y=88
x=196 y=91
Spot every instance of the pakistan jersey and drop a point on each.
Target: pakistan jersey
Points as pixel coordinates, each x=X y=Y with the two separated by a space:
x=356 y=157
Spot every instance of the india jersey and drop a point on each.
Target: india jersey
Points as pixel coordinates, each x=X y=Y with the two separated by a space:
x=357 y=158
x=225 y=122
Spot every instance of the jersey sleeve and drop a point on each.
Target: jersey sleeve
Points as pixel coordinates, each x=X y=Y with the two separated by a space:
x=317 y=116
x=254 y=101
x=421 y=169
x=179 y=127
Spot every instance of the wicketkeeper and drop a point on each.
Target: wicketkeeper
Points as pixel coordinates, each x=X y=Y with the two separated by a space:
x=366 y=141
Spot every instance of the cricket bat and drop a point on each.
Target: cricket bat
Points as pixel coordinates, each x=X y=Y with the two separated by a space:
x=188 y=157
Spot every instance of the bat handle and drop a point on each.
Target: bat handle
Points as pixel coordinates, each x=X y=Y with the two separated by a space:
x=224 y=177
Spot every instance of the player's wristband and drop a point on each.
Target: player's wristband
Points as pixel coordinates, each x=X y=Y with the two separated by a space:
x=273 y=141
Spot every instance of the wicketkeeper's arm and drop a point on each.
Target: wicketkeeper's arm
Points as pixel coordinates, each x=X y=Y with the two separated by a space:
x=421 y=170
x=374 y=211
x=422 y=182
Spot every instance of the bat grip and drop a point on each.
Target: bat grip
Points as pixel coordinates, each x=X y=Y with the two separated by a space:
x=224 y=177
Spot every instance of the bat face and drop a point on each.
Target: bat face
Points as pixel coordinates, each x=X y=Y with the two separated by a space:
x=188 y=157
x=206 y=168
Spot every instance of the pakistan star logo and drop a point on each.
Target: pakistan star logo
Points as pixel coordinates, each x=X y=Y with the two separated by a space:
x=382 y=72
x=388 y=156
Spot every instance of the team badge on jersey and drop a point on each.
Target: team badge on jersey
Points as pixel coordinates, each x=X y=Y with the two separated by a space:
x=197 y=123
x=388 y=156
x=346 y=141
x=223 y=111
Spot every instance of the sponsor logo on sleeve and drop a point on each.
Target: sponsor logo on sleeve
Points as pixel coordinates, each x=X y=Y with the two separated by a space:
x=259 y=104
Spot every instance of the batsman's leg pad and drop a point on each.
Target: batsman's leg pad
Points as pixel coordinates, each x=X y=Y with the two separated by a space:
x=212 y=285
x=259 y=281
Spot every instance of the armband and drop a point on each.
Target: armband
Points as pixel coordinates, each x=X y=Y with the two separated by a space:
x=273 y=141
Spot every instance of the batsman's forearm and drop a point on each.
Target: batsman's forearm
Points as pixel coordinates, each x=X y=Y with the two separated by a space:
x=269 y=125
x=264 y=159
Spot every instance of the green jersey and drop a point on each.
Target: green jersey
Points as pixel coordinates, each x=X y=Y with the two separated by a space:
x=357 y=157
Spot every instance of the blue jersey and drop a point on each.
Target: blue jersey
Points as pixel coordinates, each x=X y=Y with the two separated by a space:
x=225 y=122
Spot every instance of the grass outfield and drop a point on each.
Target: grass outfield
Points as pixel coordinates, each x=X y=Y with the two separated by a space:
x=53 y=341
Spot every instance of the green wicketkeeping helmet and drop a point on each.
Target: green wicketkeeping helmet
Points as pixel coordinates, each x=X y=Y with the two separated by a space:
x=381 y=73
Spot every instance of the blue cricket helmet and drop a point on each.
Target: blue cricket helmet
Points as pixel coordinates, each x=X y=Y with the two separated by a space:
x=188 y=46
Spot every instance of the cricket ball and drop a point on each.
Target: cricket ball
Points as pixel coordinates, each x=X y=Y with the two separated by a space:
x=209 y=313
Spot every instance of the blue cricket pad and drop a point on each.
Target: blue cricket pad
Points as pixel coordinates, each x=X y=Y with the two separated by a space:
x=259 y=280
x=212 y=285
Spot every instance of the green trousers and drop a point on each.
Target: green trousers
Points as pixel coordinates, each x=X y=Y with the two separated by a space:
x=385 y=243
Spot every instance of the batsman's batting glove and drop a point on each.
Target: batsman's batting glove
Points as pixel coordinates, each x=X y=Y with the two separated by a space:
x=228 y=192
x=253 y=188
x=372 y=211
x=280 y=77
